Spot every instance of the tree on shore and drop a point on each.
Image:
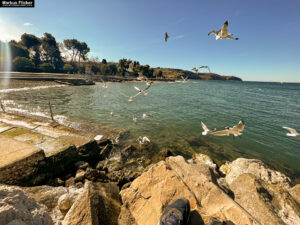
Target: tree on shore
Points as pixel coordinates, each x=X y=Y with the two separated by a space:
x=50 y=51
x=18 y=50
x=32 y=43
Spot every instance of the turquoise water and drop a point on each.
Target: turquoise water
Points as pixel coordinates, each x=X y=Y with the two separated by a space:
x=178 y=109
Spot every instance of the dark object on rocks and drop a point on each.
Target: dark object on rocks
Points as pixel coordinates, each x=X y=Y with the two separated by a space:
x=176 y=213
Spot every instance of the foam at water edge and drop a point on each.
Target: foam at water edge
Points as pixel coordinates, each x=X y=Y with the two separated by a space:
x=30 y=88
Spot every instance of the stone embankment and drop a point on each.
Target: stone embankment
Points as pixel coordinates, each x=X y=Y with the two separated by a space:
x=72 y=179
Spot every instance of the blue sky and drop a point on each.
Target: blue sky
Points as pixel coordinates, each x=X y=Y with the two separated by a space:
x=269 y=32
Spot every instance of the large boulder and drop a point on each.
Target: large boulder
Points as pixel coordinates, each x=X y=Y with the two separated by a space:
x=166 y=181
x=16 y=207
x=97 y=204
x=266 y=202
x=58 y=200
x=256 y=167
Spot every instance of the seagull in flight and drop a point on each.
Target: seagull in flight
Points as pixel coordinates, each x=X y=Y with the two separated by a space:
x=130 y=98
x=200 y=67
x=166 y=36
x=205 y=129
x=143 y=140
x=235 y=130
x=195 y=70
x=293 y=132
x=143 y=92
x=184 y=80
x=223 y=33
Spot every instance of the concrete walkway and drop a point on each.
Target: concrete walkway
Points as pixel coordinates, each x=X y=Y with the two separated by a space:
x=25 y=143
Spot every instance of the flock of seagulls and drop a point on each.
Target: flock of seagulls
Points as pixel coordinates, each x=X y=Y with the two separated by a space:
x=220 y=34
x=227 y=131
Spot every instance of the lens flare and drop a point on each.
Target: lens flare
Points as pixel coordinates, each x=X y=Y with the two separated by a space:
x=5 y=63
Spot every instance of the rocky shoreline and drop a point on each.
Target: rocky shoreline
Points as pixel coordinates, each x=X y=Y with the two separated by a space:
x=52 y=174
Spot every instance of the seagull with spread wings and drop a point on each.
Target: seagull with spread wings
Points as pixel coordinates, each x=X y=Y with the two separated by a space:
x=200 y=67
x=166 y=36
x=143 y=92
x=205 y=129
x=184 y=80
x=130 y=98
x=235 y=130
x=223 y=33
x=293 y=132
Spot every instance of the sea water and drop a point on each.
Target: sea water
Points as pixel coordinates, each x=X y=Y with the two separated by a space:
x=179 y=108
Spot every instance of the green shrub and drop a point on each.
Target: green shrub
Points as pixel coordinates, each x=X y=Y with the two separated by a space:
x=47 y=67
x=68 y=68
x=22 y=64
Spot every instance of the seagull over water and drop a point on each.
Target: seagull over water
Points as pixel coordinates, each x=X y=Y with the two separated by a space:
x=235 y=130
x=147 y=115
x=166 y=36
x=205 y=129
x=143 y=92
x=130 y=98
x=223 y=33
x=184 y=80
x=293 y=132
x=104 y=84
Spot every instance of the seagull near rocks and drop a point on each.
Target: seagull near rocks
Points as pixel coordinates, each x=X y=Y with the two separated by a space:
x=293 y=132
x=143 y=140
x=166 y=36
x=235 y=130
x=223 y=33
x=130 y=98
x=147 y=115
x=205 y=129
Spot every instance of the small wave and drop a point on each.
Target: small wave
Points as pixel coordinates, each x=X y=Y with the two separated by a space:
x=30 y=88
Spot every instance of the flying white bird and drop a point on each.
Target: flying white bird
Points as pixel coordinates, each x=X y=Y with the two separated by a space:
x=130 y=98
x=143 y=140
x=223 y=32
x=205 y=129
x=143 y=92
x=293 y=132
x=235 y=130
x=111 y=113
x=147 y=115
x=184 y=80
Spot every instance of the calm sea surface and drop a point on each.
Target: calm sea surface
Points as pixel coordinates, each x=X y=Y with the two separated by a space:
x=179 y=108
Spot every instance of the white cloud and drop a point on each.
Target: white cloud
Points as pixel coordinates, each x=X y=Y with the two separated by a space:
x=27 y=24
